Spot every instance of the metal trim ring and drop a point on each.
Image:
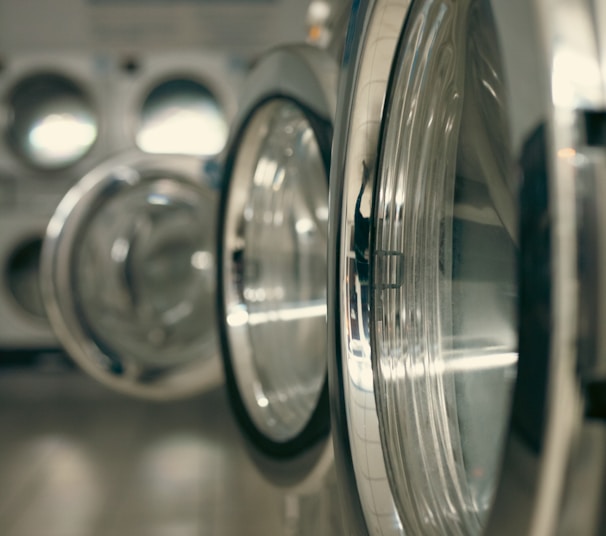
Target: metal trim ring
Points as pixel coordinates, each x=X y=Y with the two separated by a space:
x=373 y=34
x=113 y=177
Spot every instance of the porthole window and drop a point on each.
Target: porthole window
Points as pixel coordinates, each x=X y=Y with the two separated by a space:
x=128 y=275
x=52 y=123
x=182 y=116
x=275 y=230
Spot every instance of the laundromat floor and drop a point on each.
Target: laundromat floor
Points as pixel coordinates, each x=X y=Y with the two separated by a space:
x=79 y=460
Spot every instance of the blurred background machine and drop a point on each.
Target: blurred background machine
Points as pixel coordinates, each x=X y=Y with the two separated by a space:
x=81 y=81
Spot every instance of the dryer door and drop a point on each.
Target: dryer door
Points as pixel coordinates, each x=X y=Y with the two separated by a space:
x=272 y=260
x=128 y=275
x=466 y=266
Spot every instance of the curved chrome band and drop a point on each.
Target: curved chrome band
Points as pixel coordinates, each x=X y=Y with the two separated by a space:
x=373 y=34
x=155 y=376
x=303 y=73
x=550 y=447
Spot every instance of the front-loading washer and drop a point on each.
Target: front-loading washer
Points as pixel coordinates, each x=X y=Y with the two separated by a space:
x=62 y=113
x=129 y=75
x=52 y=131
x=465 y=261
x=271 y=285
x=272 y=259
x=176 y=102
x=128 y=275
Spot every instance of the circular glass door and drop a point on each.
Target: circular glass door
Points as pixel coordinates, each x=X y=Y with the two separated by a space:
x=463 y=227
x=128 y=270
x=273 y=231
x=273 y=276
x=443 y=271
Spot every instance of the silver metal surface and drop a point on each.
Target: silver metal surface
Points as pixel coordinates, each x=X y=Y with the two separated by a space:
x=371 y=43
x=301 y=72
x=541 y=468
x=32 y=194
x=79 y=460
x=128 y=271
x=116 y=52
x=551 y=84
x=241 y=26
x=220 y=73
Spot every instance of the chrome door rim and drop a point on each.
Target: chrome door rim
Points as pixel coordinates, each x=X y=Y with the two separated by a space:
x=114 y=176
x=373 y=34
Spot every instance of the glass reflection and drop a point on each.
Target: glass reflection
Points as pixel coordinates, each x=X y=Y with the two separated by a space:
x=144 y=275
x=444 y=271
x=52 y=123
x=182 y=117
x=279 y=273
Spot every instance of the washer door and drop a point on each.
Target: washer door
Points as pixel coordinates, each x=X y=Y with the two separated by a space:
x=128 y=275
x=272 y=260
x=464 y=316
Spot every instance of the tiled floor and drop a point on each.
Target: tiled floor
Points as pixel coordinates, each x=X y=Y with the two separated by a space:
x=78 y=460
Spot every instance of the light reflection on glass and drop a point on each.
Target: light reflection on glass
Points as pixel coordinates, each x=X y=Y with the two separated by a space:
x=443 y=280
x=52 y=123
x=277 y=286
x=182 y=117
x=57 y=137
x=202 y=260
x=144 y=275
x=288 y=314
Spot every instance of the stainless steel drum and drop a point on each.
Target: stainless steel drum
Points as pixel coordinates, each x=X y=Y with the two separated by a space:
x=272 y=260
x=465 y=308
x=128 y=275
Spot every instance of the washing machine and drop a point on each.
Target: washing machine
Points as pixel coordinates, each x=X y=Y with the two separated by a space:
x=468 y=369
x=127 y=275
x=64 y=114
x=271 y=285
x=41 y=156
x=83 y=81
